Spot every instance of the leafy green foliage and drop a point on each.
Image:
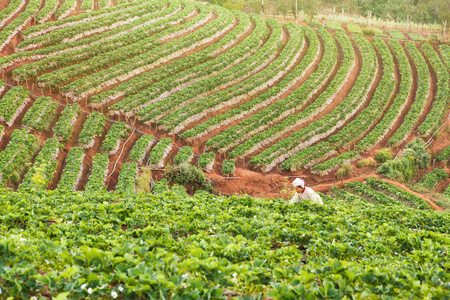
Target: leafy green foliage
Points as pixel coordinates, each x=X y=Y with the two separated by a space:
x=64 y=127
x=113 y=138
x=92 y=128
x=402 y=169
x=173 y=246
x=44 y=167
x=398 y=193
x=207 y=160
x=444 y=155
x=383 y=155
x=397 y=35
x=127 y=178
x=432 y=178
x=73 y=170
x=98 y=174
x=14 y=160
x=41 y=114
x=228 y=166
x=188 y=176
x=141 y=148
x=185 y=155
x=13 y=103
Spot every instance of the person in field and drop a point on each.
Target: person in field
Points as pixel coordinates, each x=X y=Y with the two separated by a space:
x=304 y=193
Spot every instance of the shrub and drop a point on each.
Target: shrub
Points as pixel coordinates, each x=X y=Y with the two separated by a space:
x=143 y=181
x=366 y=162
x=383 y=156
x=344 y=171
x=369 y=31
x=416 y=149
x=188 y=176
x=401 y=169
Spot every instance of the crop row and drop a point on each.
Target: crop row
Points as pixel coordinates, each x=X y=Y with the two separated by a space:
x=127 y=178
x=76 y=51
x=233 y=135
x=432 y=178
x=78 y=45
x=441 y=99
x=15 y=26
x=99 y=171
x=397 y=35
x=185 y=155
x=151 y=57
x=92 y=128
x=242 y=71
x=309 y=157
x=445 y=52
x=44 y=167
x=41 y=29
x=10 y=10
x=87 y=6
x=66 y=9
x=141 y=148
x=269 y=135
x=398 y=104
x=64 y=127
x=398 y=193
x=41 y=114
x=206 y=161
x=379 y=101
x=251 y=87
x=113 y=139
x=160 y=152
x=78 y=31
x=222 y=72
x=73 y=170
x=335 y=162
x=13 y=103
x=421 y=95
x=444 y=155
x=370 y=194
x=105 y=52
x=47 y=11
x=333 y=120
x=192 y=75
x=417 y=37
x=18 y=154
x=189 y=63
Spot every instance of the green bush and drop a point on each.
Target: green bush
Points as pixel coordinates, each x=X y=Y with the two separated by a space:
x=416 y=149
x=188 y=176
x=383 y=156
x=401 y=169
x=344 y=171
x=369 y=31
x=366 y=162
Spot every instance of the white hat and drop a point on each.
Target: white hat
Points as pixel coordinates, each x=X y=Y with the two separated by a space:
x=298 y=182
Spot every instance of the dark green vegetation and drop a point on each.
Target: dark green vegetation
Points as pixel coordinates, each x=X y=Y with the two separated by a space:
x=170 y=245
x=421 y=11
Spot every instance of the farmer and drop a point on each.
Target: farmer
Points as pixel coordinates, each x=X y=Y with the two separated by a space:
x=304 y=193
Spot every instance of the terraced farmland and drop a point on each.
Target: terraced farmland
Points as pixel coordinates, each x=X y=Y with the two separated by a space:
x=105 y=90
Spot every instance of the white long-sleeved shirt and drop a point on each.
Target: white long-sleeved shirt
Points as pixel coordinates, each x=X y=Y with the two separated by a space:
x=307 y=194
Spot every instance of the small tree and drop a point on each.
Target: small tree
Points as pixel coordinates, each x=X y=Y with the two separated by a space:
x=311 y=8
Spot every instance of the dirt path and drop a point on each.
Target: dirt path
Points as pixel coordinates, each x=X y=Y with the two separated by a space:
x=275 y=185
x=4 y=4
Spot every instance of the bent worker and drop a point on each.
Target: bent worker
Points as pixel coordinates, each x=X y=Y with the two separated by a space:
x=304 y=193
